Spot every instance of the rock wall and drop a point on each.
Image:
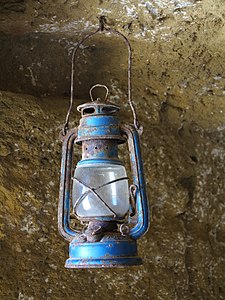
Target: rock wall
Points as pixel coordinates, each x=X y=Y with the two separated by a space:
x=179 y=91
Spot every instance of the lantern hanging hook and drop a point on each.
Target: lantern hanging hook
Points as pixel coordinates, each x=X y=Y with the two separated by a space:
x=102 y=27
x=99 y=85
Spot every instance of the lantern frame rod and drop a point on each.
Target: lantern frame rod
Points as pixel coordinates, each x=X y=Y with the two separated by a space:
x=142 y=222
x=65 y=186
x=142 y=208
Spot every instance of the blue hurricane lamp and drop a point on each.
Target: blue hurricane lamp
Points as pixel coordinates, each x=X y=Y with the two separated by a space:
x=113 y=214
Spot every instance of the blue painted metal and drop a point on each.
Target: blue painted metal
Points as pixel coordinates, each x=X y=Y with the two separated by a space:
x=102 y=161
x=65 y=187
x=99 y=134
x=97 y=125
x=143 y=217
x=113 y=252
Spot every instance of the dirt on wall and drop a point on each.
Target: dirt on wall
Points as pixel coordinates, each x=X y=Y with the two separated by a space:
x=179 y=91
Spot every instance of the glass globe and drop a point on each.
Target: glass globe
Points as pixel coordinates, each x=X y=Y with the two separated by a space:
x=95 y=176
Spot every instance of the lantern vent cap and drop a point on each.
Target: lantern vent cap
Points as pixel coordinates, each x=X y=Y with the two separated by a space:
x=98 y=108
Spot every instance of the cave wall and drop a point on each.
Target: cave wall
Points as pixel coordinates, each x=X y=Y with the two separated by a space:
x=178 y=78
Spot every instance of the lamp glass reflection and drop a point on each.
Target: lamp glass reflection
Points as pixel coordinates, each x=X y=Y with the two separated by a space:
x=88 y=203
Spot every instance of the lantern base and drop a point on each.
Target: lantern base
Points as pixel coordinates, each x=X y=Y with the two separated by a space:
x=111 y=251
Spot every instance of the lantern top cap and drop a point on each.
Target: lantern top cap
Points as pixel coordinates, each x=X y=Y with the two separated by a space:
x=98 y=108
x=99 y=86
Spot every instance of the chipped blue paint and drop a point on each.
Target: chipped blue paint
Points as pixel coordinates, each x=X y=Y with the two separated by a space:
x=114 y=250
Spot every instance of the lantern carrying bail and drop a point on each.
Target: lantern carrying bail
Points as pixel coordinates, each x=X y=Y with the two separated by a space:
x=103 y=27
x=98 y=106
x=99 y=85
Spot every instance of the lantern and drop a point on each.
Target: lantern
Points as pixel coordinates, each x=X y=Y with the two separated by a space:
x=112 y=213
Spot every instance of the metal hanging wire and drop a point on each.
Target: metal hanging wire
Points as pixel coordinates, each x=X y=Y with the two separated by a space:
x=103 y=27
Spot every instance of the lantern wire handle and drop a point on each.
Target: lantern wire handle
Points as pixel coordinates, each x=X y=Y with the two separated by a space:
x=102 y=27
x=99 y=85
x=66 y=125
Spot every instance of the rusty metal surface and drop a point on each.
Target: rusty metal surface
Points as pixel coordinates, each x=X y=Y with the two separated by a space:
x=95 y=125
x=113 y=250
x=99 y=107
x=65 y=186
x=142 y=220
x=142 y=209
x=99 y=148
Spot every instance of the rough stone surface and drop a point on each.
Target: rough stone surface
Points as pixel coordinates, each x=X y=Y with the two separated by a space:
x=179 y=90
